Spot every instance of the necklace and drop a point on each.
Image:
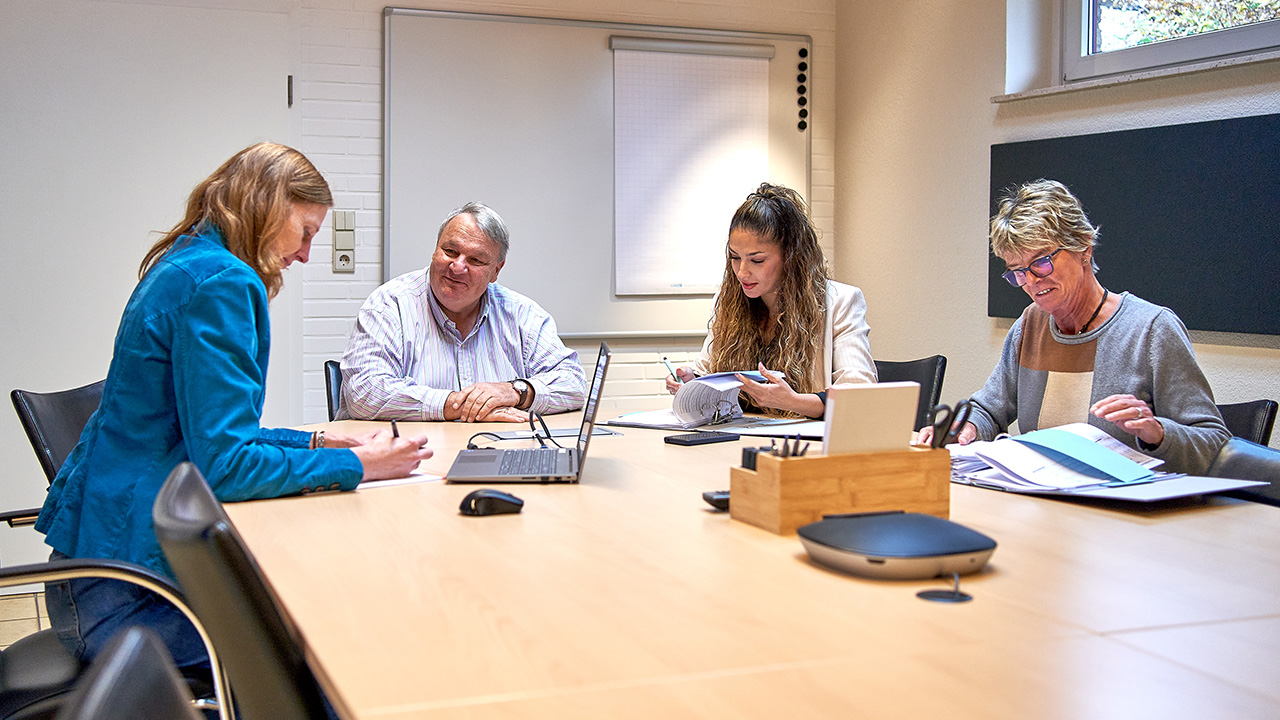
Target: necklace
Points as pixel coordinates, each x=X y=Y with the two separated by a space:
x=1094 y=316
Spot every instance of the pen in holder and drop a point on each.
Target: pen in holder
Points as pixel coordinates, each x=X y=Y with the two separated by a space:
x=783 y=493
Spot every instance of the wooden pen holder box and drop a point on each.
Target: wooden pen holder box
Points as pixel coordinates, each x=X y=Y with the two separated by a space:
x=782 y=494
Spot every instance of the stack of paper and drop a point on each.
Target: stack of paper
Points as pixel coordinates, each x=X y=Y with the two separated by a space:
x=1076 y=459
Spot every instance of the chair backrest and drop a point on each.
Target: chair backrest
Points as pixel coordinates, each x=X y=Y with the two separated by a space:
x=133 y=678
x=54 y=421
x=1250 y=420
x=1245 y=460
x=926 y=371
x=332 y=386
x=260 y=647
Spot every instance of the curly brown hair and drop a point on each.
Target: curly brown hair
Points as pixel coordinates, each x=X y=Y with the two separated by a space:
x=740 y=324
x=249 y=200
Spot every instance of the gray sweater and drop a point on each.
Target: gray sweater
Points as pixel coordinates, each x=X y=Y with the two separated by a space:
x=1143 y=350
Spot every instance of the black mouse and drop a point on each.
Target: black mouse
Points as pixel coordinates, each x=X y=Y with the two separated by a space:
x=488 y=501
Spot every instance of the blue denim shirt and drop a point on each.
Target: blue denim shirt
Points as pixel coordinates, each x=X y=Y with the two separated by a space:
x=186 y=383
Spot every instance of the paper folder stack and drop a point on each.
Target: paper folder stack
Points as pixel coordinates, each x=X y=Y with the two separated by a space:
x=1078 y=460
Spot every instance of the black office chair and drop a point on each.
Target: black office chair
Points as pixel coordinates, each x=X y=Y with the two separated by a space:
x=332 y=386
x=37 y=674
x=1245 y=460
x=262 y=651
x=53 y=422
x=926 y=371
x=133 y=678
x=1250 y=420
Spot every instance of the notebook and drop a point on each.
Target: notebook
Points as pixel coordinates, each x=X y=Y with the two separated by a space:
x=870 y=417
x=542 y=464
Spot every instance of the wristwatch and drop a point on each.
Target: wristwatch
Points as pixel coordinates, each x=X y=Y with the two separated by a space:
x=525 y=390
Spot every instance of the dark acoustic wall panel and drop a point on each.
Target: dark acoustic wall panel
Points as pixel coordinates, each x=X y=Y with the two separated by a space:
x=1189 y=216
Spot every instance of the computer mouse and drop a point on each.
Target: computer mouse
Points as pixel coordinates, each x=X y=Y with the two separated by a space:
x=488 y=501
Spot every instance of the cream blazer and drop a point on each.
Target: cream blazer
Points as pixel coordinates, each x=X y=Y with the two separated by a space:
x=846 y=356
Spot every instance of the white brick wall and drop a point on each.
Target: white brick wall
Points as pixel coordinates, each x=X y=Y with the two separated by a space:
x=338 y=93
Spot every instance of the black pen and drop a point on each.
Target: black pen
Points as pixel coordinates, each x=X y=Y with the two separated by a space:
x=395 y=431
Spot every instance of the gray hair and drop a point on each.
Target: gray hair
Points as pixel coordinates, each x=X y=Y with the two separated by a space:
x=489 y=222
x=1041 y=214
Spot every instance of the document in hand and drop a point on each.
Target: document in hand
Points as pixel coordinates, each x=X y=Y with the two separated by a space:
x=1077 y=460
x=711 y=402
x=711 y=399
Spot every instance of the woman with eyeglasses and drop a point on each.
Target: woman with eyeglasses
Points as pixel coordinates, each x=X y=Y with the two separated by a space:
x=1083 y=353
x=778 y=311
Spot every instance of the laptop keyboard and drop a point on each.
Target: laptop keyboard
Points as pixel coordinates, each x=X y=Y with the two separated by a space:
x=529 y=461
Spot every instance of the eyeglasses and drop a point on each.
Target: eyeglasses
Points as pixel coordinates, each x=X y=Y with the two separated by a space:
x=1040 y=267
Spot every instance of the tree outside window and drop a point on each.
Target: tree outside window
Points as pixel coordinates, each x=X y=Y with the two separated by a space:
x=1124 y=24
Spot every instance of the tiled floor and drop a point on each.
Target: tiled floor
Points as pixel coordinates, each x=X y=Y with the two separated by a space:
x=21 y=615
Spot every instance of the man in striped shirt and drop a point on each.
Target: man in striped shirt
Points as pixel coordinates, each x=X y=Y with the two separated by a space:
x=449 y=343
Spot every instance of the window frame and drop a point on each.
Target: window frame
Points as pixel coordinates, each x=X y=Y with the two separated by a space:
x=1079 y=64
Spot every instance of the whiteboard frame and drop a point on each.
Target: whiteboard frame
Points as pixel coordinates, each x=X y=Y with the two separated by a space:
x=710 y=35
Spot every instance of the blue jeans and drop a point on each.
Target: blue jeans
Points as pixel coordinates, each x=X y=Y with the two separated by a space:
x=88 y=612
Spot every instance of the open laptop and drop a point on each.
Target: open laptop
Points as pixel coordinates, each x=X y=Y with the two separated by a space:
x=541 y=464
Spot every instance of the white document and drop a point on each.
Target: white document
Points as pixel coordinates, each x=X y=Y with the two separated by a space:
x=755 y=425
x=1006 y=464
x=710 y=399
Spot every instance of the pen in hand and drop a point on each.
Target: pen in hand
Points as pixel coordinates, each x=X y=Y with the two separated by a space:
x=395 y=431
x=671 y=369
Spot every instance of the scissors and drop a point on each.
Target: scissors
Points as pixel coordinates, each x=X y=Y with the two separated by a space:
x=948 y=423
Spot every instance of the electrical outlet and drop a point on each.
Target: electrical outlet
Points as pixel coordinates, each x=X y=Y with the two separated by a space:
x=344 y=241
x=344 y=261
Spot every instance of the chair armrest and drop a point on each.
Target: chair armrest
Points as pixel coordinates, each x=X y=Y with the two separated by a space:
x=17 y=518
x=76 y=568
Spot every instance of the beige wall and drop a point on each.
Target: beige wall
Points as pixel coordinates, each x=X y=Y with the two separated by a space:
x=914 y=128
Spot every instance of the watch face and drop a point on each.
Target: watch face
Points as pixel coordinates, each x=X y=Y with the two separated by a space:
x=521 y=386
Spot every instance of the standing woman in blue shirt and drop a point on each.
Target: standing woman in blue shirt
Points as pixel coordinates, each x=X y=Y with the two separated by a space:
x=187 y=382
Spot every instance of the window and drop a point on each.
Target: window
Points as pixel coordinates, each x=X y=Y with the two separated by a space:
x=1108 y=37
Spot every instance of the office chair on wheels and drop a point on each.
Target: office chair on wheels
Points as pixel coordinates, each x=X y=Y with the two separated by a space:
x=37 y=674
x=262 y=651
x=332 y=386
x=53 y=423
x=1252 y=421
x=1242 y=459
x=133 y=678
x=926 y=371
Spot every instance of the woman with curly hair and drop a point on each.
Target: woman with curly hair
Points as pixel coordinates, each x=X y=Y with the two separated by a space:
x=777 y=310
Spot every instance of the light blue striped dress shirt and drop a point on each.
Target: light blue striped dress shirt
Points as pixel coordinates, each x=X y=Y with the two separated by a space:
x=405 y=356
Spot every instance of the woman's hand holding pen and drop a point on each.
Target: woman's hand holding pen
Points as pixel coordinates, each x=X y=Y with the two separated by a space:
x=682 y=376
x=385 y=456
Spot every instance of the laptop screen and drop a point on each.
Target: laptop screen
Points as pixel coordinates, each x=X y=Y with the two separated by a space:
x=593 y=402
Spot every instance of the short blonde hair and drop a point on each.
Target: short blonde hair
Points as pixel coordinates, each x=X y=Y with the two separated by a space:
x=1037 y=215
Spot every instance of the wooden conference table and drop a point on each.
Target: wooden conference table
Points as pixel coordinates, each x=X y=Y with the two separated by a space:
x=627 y=597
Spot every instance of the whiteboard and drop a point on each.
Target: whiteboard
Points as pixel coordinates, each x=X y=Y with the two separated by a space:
x=517 y=113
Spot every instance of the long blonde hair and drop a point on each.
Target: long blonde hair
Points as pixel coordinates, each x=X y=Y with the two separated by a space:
x=739 y=323
x=249 y=200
